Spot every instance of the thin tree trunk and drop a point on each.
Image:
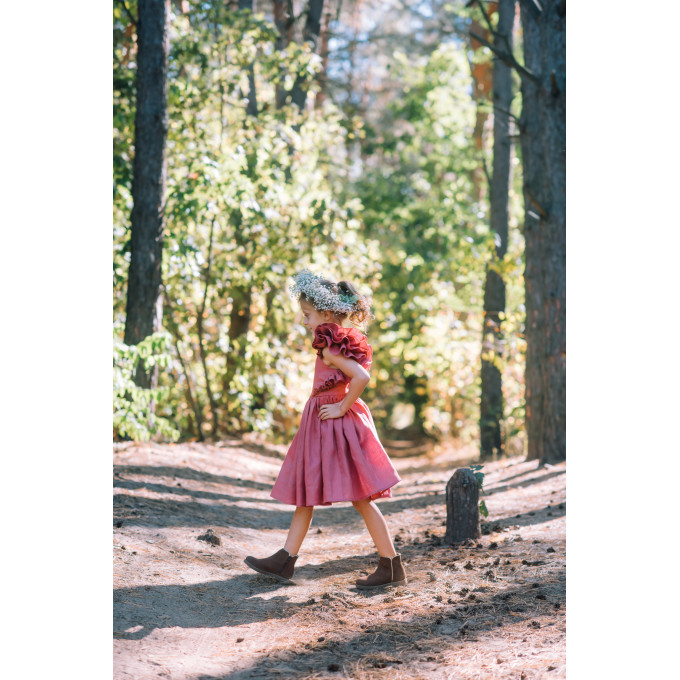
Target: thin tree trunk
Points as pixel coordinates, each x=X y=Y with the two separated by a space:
x=415 y=391
x=543 y=135
x=310 y=36
x=251 y=108
x=239 y=322
x=240 y=312
x=240 y=317
x=182 y=6
x=482 y=80
x=198 y=424
x=323 y=77
x=284 y=18
x=491 y=408
x=272 y=326
x=353 y=26
x=144 y=308
x=201 y=345
x=194 y=403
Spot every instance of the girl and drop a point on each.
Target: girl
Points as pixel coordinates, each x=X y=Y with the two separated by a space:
x=336 y=454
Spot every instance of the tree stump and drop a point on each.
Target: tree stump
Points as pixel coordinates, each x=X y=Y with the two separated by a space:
x=462 y=507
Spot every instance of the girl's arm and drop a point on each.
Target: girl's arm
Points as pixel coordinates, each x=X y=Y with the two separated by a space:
x=360 y=378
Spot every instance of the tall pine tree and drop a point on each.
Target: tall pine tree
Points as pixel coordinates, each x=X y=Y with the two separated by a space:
x=543 y=137
x=491 y=407
x=144 y=309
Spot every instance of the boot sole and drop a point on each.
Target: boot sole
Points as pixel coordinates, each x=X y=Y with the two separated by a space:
x=391 y=584
x=283 y=579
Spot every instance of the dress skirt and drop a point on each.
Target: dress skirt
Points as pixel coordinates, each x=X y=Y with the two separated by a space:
x=334 y=460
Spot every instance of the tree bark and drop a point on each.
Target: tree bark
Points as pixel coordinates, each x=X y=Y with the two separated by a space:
x=415 y=392
x=144 y=308
x=284 y=18
x=195 y=404
x=311 y=36
x=324 y=52
x=491 y=409
x=239 y=322
x=543 y=135
x=482 y=81
x=201 y=344
x=462 y=507
x=251 y=107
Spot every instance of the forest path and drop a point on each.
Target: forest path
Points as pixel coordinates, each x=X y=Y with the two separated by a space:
x=187 y=610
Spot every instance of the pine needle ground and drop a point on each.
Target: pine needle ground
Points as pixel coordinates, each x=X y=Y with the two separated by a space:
x=187 y=607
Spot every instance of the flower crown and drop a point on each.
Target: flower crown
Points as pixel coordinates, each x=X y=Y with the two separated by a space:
x=321 y=297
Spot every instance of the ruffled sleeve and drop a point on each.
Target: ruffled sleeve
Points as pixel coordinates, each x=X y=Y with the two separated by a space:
x=349 y=342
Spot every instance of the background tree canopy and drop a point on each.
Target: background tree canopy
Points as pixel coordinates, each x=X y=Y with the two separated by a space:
x=343 y=136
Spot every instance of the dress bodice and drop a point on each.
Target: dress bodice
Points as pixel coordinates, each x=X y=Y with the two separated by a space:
x=349 y=342
x=327 y=377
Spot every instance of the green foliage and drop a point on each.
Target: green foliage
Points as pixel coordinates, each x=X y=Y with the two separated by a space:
x=479 y=476
x=387 y=203
x=135 y=410
x=419 y=203
x=250 y=200
x=123 y=152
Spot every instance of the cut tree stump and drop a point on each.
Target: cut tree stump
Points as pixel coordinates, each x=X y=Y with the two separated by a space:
x=462 y=507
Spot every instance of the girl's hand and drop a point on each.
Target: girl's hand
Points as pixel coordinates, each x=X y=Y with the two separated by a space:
x=331 y=411
x=359 y=379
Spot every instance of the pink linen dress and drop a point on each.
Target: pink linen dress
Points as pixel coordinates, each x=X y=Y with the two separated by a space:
x=337 y=459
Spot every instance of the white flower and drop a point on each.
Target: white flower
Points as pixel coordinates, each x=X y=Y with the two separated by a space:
x=321 y=297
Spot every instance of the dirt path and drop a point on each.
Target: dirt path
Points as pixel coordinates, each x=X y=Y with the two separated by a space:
x=186 y=609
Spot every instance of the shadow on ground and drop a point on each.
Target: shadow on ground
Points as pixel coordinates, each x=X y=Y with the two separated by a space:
x=187 y=473
x=525 y=483
x=222 y=511
x=466 y=616
x=381 y=644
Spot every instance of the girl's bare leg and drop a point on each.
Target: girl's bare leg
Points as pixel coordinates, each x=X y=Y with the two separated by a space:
x=302 y=519
x=377 y=527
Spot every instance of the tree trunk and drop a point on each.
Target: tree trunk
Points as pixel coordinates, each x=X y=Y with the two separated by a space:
x=415 y=392
x=239 y=322
x=544 y=160
x=201 y=343
x=310 y=36
x=251 y=108
x=324 y=52
x=462 y=507
x=491 y=403
x=144 y=309
x=284 y=18
x=195 y=404
x=491 y=409
x=482 y=81
x=195 y=424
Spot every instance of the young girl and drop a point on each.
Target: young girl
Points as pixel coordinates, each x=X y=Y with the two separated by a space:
x=336 y=454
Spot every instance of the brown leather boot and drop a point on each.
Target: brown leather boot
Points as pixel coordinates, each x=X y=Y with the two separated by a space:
x=280 y=565
x=390 y=573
